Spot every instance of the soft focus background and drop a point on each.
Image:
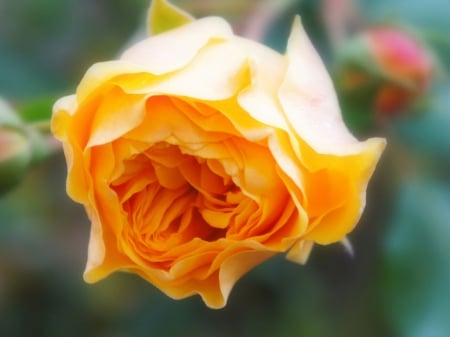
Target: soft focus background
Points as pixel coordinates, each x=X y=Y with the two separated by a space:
x=396 y=284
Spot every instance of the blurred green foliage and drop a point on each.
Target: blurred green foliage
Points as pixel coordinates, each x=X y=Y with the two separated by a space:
x=396 y=285
x=417 y=259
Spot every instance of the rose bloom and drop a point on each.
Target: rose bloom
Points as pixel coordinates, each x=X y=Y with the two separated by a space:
x=199 y=154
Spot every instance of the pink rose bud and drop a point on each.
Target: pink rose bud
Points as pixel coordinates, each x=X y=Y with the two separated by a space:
x=385 y=69
x=405 y=62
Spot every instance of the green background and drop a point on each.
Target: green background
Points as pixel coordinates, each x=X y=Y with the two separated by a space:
x=397 y=283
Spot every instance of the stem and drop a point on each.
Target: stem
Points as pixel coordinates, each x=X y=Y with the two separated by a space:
x=257 y=23
x=42 y=141
x=43 y=126
x=340 y=18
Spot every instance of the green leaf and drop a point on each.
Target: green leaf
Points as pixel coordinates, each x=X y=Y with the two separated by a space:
x=38 y=109
x=163 y=16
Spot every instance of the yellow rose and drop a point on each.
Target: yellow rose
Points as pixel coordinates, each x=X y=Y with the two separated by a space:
x=199 y=154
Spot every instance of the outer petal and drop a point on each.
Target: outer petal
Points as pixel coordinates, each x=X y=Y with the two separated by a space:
x=103 y=256
x=117 y=114
x=309 y=101
x=216 y=72
x=259 y=99
x=62 y=110
x=312 y=112
x=99 y=74
x=61 y=124
x=106 y=217
x=236 y=266
x=157 y=55
x=300 y=251
x=173 y=49
x=351 y=175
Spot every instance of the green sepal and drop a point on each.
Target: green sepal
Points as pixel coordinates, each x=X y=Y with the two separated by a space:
x=163 y=16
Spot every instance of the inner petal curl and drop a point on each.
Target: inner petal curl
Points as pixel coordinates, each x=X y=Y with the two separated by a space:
x=171 y=198
x=193 y=186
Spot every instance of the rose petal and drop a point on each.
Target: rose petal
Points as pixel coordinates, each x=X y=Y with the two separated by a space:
x=62 y=110
x=103 y=256
x=309 y=101
x=109 y=122
x=174 y=49
x=237 y=265
x=258 y=99
x=300 y=251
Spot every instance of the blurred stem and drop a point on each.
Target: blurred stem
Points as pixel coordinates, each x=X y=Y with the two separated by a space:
x=404 y=164
x=42 y=141
x=341 y=18
x=41 y=126
x=264 y=14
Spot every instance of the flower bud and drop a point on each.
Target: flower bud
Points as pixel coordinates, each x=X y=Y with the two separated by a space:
x=15 y=150
x=405 y=62
x=392 y=63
